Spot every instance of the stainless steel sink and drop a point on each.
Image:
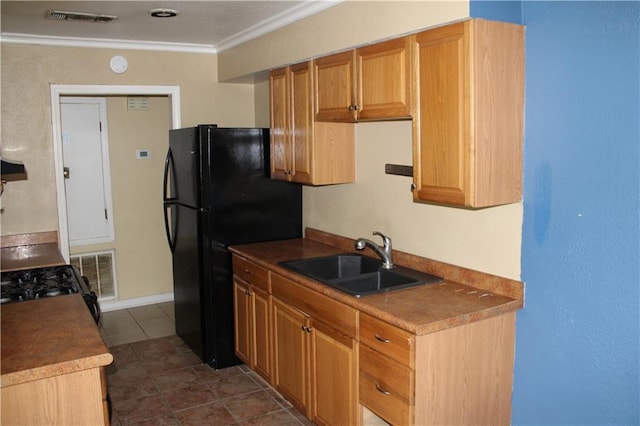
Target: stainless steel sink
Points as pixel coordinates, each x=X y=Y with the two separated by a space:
x=358 y=275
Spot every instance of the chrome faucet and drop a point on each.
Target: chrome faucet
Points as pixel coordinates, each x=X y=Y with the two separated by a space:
x=384 y=252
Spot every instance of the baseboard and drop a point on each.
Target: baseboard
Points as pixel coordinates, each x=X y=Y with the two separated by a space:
x=114 y=305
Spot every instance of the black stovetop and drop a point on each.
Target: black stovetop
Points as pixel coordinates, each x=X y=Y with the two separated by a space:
x=37 y=283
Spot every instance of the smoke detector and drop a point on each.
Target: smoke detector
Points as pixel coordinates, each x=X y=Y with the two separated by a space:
x=59 y=15
x=163 y=13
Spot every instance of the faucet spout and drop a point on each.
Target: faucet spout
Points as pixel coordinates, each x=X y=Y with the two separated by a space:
x=384 y=252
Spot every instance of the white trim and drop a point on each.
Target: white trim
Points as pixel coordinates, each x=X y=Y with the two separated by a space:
x=103 y=43
x=106 y=306
x=289 y=16
x=58 y=90
x=307 y=8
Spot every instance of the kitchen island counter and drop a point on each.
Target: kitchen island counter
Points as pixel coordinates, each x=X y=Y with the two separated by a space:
x=52 y=359
x=464 y=296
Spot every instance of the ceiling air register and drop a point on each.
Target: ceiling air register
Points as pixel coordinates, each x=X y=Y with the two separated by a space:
x=58 y=15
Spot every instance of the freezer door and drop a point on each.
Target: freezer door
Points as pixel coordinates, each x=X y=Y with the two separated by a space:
x=186 y=168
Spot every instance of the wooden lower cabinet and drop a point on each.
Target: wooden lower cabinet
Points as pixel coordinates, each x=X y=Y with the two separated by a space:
x=252 y=315
x=261 y=316
x=458 y=376
x=49 y=401
x=315 y=366
x=291 y=347
x=334 y=376
x=341 y=366
x=242 y=320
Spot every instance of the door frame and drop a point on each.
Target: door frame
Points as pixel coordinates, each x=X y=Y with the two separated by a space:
x=58 y=90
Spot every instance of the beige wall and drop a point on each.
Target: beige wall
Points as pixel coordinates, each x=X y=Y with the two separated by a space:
x=488 y=240
x=30 y=206
x=349 y=24
x=28 y=71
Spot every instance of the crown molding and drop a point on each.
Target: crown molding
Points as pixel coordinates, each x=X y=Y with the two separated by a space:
x=309 y=7
x=17 y=38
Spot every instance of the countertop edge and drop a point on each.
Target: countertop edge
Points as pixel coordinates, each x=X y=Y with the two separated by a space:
x=53 y=370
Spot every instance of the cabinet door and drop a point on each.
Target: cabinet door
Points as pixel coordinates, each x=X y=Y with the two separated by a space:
x=261 y=332
x=441 y=152
x=291 y=354
x=302 y=122
x=334 y=376
x=335 y=87
x=279 y=123
x=384 y=80
x=242 y=320
x=468 y=119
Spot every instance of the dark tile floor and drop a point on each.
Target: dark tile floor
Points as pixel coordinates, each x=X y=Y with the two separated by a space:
x=162 y=382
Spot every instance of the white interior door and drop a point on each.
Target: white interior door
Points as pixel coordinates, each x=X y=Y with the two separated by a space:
x=86 y=166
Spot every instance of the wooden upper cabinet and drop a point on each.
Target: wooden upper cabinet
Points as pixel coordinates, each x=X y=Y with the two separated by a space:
x=468 y=117
x=279 y=123
x=384 y=80
x=302 y=122
x=291 y=123
x=302 y=150
x=368 y=83
x=335 y=87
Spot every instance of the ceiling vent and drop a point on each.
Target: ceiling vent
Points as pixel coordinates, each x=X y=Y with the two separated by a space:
x=58 y=15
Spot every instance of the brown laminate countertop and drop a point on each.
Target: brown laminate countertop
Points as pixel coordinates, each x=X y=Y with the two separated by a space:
x=30 y=256
x=27 y=251
x=48 y=337
x=463 y=297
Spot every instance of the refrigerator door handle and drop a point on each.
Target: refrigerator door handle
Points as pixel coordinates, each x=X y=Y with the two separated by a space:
x=167 y=201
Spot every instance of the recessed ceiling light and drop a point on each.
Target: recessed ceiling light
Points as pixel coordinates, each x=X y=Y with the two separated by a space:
x=163 y=13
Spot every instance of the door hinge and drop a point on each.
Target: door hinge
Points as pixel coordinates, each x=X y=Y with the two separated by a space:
x=106 y=216
x=100 y=125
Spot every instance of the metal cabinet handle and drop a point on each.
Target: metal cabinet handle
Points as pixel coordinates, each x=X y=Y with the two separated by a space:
x=381 y=339
x=382 y=391
x=248 y=272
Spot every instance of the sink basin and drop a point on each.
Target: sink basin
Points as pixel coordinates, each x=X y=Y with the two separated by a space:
x=358 y=275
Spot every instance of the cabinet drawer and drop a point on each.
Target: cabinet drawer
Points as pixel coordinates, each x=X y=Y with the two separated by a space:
x=387 y=339
x=251 y=273
x=340 y=316
x=388 y=374
x=386 y=387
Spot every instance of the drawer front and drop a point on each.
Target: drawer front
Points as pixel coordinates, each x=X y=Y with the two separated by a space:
x=320 y=307
x=390 y=407
x=251 y=273
x=387 y=339
x=390 y=376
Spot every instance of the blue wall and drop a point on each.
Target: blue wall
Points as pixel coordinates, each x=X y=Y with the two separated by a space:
x=577 y=342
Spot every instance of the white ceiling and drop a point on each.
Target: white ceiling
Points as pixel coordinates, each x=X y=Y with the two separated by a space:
x=205 y=25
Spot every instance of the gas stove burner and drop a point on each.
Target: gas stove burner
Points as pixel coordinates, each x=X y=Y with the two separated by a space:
x=40 y=283
x=30 y=284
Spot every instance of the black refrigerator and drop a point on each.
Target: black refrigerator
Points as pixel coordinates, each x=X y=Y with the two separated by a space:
x=218 y=192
